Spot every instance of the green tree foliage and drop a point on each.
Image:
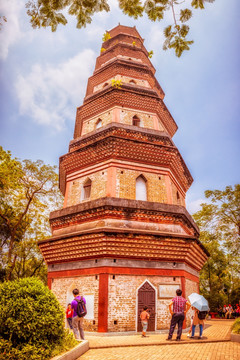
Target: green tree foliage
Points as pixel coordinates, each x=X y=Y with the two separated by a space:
x=31 y=320
x=45 y=13
x=219 y=223
x=28 y=192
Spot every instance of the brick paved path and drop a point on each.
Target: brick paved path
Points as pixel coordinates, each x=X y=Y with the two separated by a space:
x=215 y=345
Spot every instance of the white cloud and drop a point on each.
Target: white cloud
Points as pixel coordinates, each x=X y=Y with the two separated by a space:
x=10 y=32
x=49 y=94
x=194 y=206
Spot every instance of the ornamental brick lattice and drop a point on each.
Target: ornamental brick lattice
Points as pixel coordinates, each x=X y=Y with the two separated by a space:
x=124 y=234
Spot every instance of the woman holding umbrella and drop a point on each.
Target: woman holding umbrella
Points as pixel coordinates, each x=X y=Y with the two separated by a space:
x=201 y=308
x=197 y=321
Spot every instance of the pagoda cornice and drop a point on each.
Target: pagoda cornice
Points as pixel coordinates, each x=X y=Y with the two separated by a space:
x=115 y=245
x=123 y=36
x=135 y=243
x=117 y=66
x=131 y=51
x=119 y=142
x=130 y=209
x=122 y=130
x=124 y=87
x=131 y=97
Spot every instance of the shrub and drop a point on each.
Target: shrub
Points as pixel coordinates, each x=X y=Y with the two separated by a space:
x=31 y=320
x=236 y=326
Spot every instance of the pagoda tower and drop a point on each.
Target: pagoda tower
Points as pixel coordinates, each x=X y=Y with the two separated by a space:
x=124 y=236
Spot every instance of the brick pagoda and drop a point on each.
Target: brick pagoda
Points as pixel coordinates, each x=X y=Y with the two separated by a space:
x=124 y=236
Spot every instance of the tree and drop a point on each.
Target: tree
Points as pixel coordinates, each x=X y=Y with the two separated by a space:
x=45 y=13
x=219 y=223
x=28 y=192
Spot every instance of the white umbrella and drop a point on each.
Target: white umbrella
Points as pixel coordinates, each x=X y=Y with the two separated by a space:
x=199 y=302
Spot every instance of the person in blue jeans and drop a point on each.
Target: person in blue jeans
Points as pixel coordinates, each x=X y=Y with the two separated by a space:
x=77 y=322
x=197 y=321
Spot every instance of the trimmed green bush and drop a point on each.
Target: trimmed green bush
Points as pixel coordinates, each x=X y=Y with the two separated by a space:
x=236 y=326
x=31 y=320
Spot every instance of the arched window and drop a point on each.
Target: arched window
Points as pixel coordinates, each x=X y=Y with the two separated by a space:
x=136 y=120
x=133 y=82
x=178 y=198
x=98 y=123
x=141 y=188
x=87 y=189
x=106 y=84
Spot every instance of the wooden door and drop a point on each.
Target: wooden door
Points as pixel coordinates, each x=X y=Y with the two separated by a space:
x=146 y=297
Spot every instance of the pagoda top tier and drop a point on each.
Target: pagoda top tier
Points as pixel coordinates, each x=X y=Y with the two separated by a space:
x=124 y=43
x=123 y=87
x=127 y=30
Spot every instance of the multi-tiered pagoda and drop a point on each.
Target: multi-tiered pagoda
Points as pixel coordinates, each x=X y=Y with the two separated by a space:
x=124 y=236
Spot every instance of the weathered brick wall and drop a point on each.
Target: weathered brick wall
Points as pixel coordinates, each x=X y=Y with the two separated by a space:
x=98 y=188
x=146 y=120
x=141 y=99
x=123 y=301
x=126 y=185
x=90 y=125
x=87 y=285
x=126 y=117
x=122 y=304
x=178 y=199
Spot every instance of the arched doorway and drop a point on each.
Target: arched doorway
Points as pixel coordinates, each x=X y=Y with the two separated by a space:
x=147 y=297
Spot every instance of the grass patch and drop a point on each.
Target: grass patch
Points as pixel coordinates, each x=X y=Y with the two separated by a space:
x=67 y=344
x=236 y=326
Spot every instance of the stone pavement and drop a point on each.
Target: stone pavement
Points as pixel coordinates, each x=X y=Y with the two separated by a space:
x=215 y=345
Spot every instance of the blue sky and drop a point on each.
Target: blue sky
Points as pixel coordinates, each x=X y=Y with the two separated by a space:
x=44 y=76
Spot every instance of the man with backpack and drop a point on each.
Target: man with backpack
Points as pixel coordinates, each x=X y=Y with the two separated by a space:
x=79 y=311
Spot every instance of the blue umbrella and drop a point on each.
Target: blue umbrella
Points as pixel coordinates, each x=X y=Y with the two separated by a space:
x=199 y=302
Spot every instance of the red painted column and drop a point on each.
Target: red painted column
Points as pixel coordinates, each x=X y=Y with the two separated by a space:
x=103 y=303
x=49 y=282
x=183 y=283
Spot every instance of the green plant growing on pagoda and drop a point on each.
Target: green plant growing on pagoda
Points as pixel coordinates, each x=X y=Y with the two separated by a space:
x=150 y=54
x=48 y=13
x=116 y=83
x=106 y=36
x=134 y=43
x=102 y=50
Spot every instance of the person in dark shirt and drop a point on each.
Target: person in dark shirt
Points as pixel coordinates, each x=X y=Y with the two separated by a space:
x=77 y=322
x=180 y=308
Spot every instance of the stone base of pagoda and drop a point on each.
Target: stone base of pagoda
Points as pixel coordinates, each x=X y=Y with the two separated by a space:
x=116 y=294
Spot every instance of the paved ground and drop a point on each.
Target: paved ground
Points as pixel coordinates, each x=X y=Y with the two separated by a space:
x=215 y=345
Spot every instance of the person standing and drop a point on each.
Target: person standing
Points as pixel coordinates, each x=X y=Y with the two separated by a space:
x=178 y=308
x=144 y=316
x=69 y=315
x=77 y=322
x=197 y=321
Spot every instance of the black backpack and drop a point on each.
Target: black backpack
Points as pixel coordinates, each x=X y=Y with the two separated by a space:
x=202 y=315
x=81 y=307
